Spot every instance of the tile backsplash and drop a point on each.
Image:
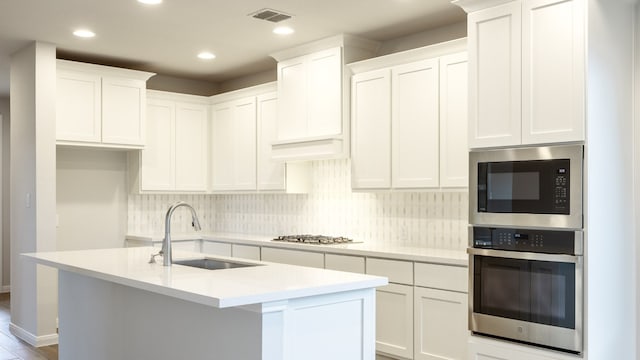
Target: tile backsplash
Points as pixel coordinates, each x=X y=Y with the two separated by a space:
x=427 y=219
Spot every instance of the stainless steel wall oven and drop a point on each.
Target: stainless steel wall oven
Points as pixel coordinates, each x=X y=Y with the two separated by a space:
x=526 y=285
x=526 y=245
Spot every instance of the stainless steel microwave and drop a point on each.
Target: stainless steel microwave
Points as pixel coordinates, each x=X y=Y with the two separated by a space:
x=530 y=187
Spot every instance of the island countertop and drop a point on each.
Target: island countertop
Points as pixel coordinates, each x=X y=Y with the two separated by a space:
x=268 y=282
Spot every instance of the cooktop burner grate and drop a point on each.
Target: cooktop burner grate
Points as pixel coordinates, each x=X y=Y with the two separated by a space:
x=313 y=239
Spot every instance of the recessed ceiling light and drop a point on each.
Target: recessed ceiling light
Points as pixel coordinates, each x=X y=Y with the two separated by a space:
x=283 y=30
x=84 y=33
x=206 y=55
x=150 y=2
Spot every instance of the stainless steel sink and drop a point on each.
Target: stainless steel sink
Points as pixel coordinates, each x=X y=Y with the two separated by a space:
x=212 y=264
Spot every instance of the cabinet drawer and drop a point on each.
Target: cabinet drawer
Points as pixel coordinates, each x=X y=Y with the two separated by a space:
x=348 y=263
x=400 y=272
x=187 y=245
x=293 y=257
x=216 y=248
x=454 y=278
x=245 y=251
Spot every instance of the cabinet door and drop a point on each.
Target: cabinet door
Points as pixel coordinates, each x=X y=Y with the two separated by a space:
x=191 y=147
x=440 y=324
x=324 y=92
x=292 y=94
x=495 y=76
x=371 y=130
x=270 y=173
x=222 y=162
x=244 y=143
x=123 y=111
x=415 y=128
x=78 y=107
x=293 y=257
x=454 y=154
x=394 y=320
x=553 y=71
x=158 y=160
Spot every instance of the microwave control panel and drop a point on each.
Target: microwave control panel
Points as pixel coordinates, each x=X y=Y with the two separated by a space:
x=527 y=240
x=561 y=190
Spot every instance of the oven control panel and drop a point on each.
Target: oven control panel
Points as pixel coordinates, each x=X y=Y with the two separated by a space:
x=529 y=240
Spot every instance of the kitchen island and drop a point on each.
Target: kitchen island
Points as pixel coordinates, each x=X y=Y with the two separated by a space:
x=113 y=304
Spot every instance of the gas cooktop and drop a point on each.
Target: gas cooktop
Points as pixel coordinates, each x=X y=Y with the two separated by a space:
x=314 y=239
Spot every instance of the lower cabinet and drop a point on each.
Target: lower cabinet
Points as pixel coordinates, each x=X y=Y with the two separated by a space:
x=188 y=245
x=440 y=327
x=354 y=264
x=245 y=251
x=293 y=257
x=394 y=321
x=216 y=248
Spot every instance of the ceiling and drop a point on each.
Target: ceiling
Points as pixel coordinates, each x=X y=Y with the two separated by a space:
x=166 y=38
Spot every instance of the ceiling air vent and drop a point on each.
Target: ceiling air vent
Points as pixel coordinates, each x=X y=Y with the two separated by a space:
x=270 y=15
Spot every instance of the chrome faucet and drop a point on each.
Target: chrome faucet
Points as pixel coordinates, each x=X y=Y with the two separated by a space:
x=166 y=242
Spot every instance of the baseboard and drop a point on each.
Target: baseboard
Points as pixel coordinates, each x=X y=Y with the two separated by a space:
x=5 y=289
x=33 y=340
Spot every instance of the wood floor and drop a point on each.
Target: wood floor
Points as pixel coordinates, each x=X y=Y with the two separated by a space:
x=12 y=348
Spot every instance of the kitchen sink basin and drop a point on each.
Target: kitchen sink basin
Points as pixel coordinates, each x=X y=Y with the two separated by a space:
x=213 y=264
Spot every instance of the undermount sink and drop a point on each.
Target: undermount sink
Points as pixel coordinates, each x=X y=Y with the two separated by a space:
x=213 y=264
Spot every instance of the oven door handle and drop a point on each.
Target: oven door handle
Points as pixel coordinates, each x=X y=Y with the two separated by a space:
x=526 y=255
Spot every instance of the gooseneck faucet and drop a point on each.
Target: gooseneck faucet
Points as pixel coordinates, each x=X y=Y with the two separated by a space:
x=166 y=242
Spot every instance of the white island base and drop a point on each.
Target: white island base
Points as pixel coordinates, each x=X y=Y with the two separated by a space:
x=113 y=305
x=102 y=320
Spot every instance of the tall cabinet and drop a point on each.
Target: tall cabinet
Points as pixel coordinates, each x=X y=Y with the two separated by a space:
x=409 y=119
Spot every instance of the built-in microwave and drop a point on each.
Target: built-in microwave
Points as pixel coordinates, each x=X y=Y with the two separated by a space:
x=529 y=187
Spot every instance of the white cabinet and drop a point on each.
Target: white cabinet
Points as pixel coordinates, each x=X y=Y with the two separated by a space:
x=245 y=251
x=293 y=257
x=347 y=263
x=394 y=320
x=441 y=312
x=409 y=121
x=270 y=172
x=100 y=105
x=184 y=245
x=313 y=92
x=175 y=158
x=440 y=324
x=233 y=148
x=216 y=248
x=415 y=124
x=454 y=154
x=526 y=73
x=371 y=127
x=394 y=307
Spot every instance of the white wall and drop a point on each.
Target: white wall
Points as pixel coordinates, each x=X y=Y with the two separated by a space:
x=182 y=85
x=610 y=244
x=33 y=198
x=429 y=37
x=636 y=163
x=4 y=235
x=426 y=219
x=91 y=191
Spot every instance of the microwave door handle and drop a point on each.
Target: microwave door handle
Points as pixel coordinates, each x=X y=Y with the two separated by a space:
x=526 y=255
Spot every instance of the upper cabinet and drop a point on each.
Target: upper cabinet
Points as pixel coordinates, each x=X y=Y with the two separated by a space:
x=313 y=94
x=100 y=106
x=175 y=157
x=409 y=119
x=243 y=128
x=526 y=72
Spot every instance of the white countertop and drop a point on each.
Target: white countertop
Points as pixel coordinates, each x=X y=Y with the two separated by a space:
x=219 y=288
x=368 y=249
